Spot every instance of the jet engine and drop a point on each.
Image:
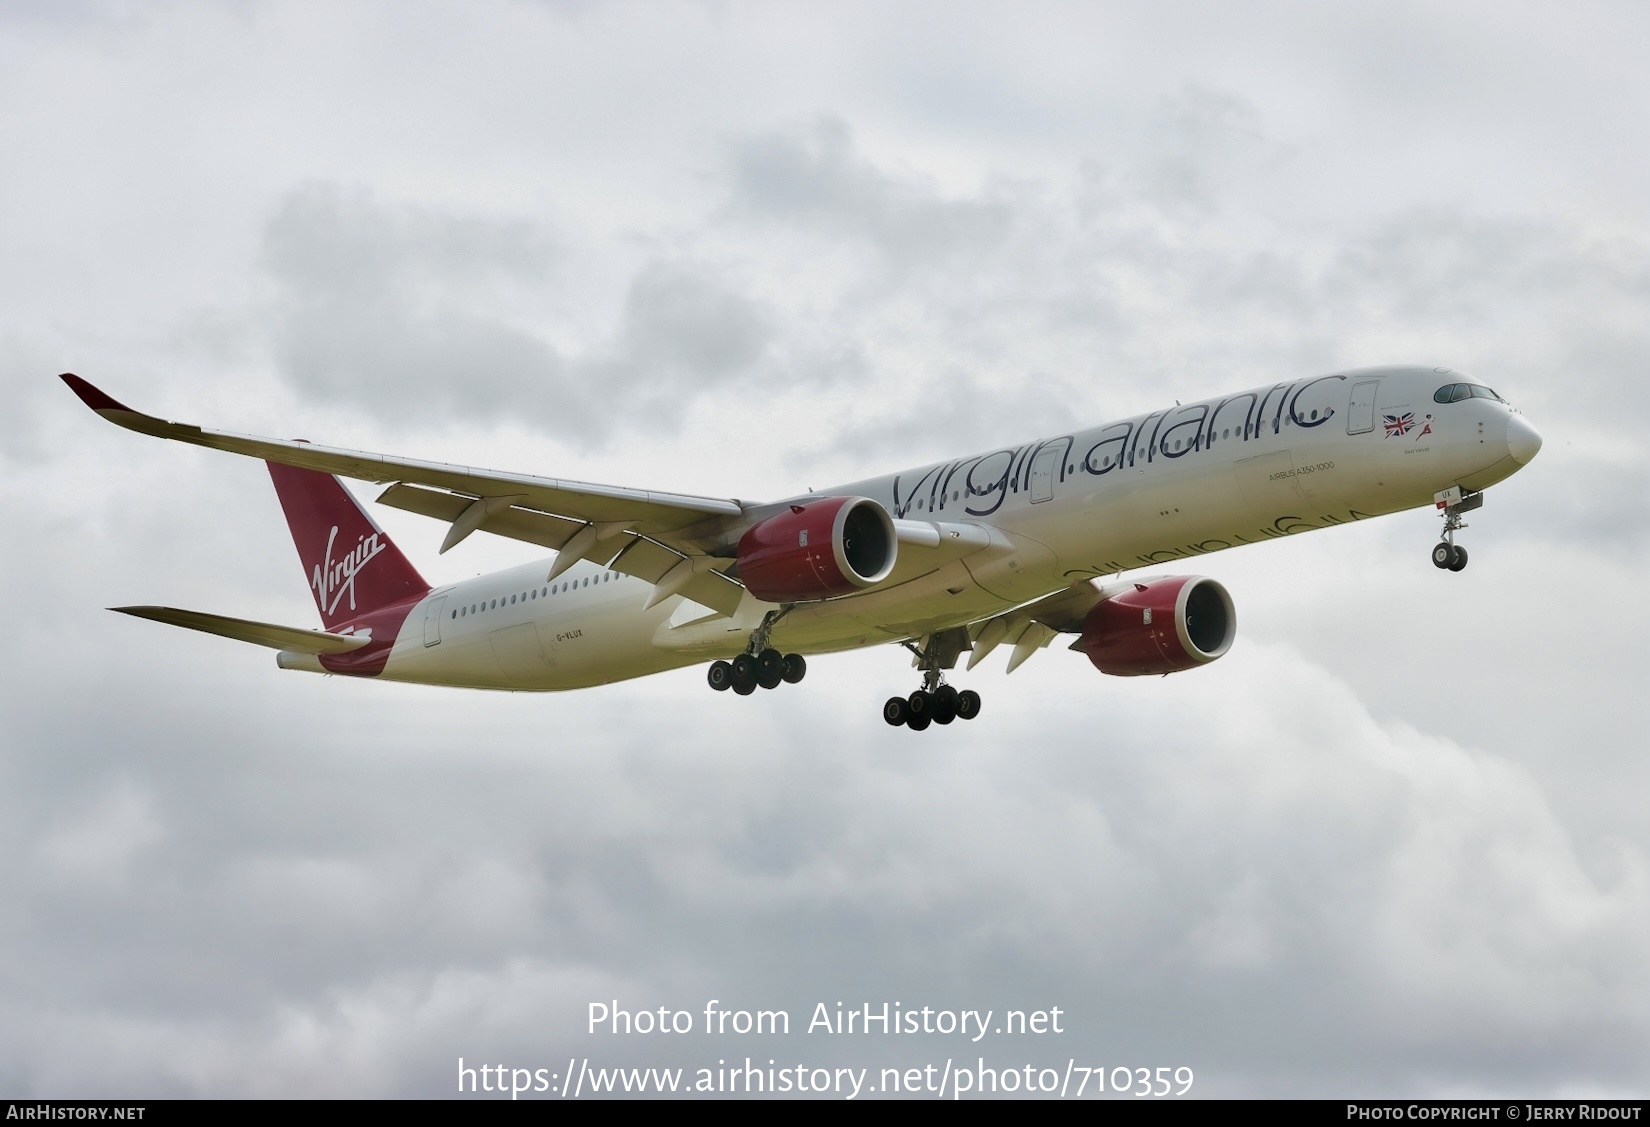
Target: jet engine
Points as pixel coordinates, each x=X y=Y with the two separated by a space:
x=1161 y=626
x=817 y=549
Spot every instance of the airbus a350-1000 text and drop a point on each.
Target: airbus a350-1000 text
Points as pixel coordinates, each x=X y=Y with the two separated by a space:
x=1010 y=548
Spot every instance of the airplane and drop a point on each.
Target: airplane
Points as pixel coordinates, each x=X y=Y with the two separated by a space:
x=1012 y=547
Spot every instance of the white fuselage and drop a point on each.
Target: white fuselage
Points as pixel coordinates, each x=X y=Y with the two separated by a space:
x=1142 y=492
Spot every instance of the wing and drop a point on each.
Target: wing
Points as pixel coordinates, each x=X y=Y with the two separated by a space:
x=647 y=511
x=290 y=638
x=658 y=537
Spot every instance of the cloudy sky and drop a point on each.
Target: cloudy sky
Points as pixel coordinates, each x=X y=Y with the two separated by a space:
x=1394 y=843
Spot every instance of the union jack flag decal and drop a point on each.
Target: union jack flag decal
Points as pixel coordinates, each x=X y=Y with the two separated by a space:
x=1398 y=425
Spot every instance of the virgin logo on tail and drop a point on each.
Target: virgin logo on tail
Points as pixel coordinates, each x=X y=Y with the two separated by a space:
x=333 y=578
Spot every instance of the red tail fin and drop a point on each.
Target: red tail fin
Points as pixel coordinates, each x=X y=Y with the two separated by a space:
x=352 y=567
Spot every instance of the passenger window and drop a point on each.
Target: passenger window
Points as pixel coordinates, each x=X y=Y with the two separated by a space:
x=455 y=614
x=1314 y=414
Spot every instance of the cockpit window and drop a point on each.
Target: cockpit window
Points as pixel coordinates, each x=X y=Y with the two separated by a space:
x=1456 y=392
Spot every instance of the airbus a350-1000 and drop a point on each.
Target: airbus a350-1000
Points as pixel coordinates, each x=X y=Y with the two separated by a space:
x=1009 y=548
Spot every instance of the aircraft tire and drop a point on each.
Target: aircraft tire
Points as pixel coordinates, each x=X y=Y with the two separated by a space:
x=968 y=704
x=921 y=704
x=918 y=723
x=1459 y=563
x=770 y=668
x=796 y=668
x=896 y=712
x=944 y=704
x=1443 y=555
x=720 y=676
x=744 y=674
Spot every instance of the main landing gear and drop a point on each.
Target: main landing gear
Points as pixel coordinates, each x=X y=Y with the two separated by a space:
x=760 y=664
x=1447 y=554
x=748 y=671
x=936 y=702
x=941 y=705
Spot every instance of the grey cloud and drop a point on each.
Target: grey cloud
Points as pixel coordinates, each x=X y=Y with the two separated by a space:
x=815 y=176
x=417 y=314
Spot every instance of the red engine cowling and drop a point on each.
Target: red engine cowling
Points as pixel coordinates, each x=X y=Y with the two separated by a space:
x=1163 y=626
x=816 y=550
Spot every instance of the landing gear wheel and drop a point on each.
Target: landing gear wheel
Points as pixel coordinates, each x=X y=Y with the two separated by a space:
x=968 y=704
x=795 y=668
x=1460 y=560
x=744 y=674
x=1443 y=554
x=896 y=712
x=770 y=668
x=918 y=723
x=920 y=704
x=944 y=704
x=720 y=676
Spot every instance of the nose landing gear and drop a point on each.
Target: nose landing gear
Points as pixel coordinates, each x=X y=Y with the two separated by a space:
x=1447 y=554
x=936 y=702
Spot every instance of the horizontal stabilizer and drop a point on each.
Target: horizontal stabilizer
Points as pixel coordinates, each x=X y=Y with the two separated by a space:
x=291 y=638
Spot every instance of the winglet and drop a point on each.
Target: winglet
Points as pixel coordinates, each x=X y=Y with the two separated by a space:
x=94 y=397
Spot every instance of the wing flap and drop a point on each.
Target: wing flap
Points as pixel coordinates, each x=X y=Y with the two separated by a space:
x=529 y=525
x=292 y=638
x=1031 y=627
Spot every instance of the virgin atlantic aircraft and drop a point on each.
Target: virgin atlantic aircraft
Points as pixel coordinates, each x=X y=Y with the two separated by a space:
x=1009 y=547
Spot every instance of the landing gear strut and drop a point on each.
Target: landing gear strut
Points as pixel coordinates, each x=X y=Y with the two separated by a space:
x=936 y=702
x=760 y=665
x=1447 y=554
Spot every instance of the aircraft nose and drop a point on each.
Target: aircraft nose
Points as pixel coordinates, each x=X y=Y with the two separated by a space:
x=1523 y=440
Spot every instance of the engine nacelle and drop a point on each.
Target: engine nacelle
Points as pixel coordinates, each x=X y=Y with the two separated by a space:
x=819 y=549
x=1163 y=626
